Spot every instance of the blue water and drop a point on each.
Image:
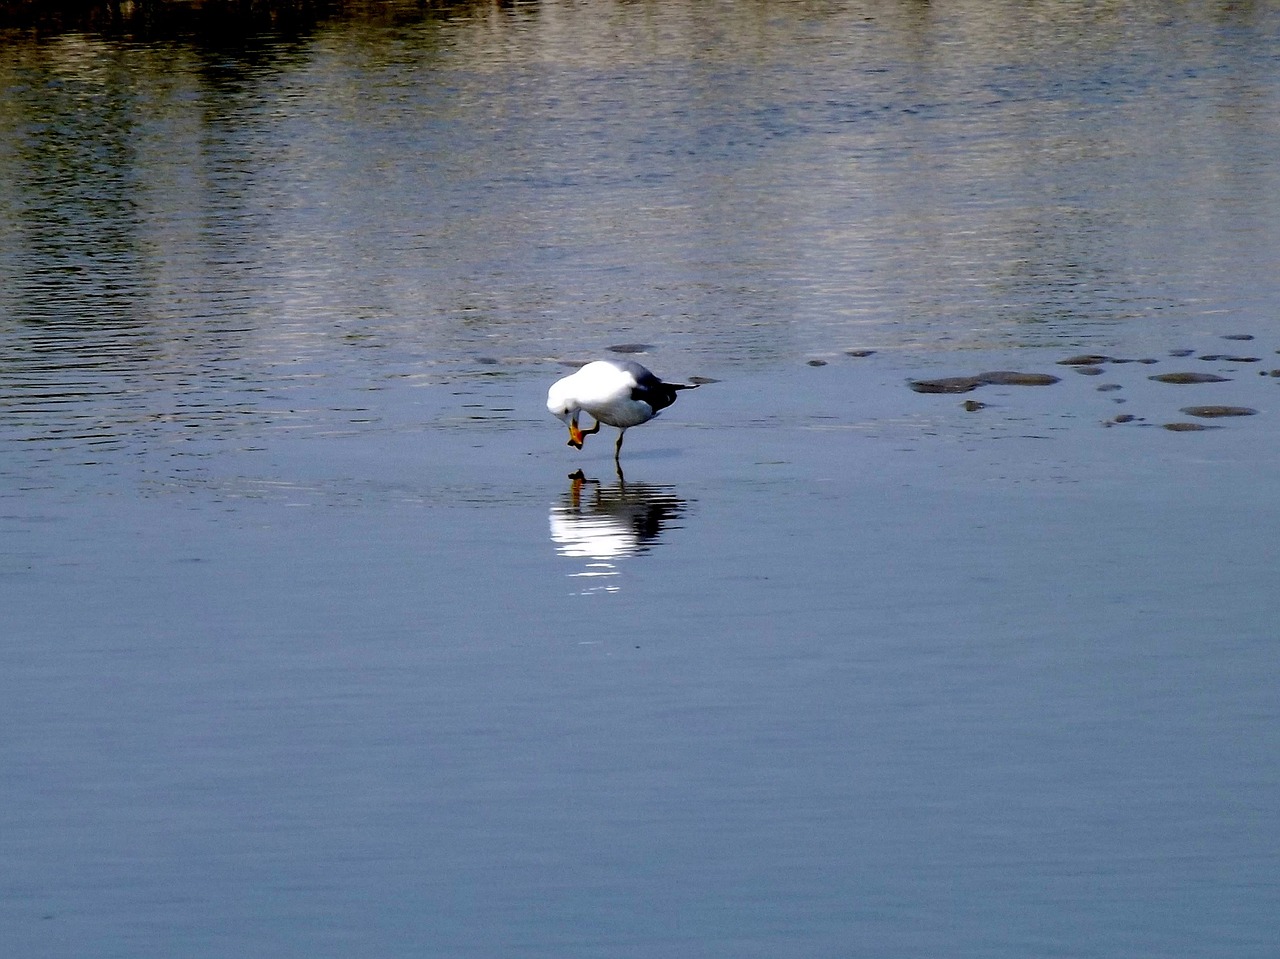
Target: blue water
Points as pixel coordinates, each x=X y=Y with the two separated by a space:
x=310 y=646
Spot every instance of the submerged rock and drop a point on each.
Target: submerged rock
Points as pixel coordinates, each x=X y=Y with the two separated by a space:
x=1012 y=378
x=1189 y=378
x=1085 y=359
x=963 y=384
x=1224 y=358
x=631 y=348
x=949 y=384
x=1212 y=412
x=1186 y=427
x=859 y=353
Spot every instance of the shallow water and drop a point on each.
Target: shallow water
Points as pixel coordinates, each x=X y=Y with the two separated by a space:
x=313 y=647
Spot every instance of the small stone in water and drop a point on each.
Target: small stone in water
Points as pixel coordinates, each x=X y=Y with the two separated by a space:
x=1189 y=378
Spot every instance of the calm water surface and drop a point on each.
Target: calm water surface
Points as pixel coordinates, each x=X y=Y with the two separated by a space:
x=310 y=647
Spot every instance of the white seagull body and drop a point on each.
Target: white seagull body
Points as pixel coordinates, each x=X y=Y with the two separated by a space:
x=617 y=393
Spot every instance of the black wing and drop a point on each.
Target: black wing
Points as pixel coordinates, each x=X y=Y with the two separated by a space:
x=649 y=389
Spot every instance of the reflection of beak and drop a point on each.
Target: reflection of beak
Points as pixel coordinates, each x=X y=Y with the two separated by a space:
x=575 y=434
x=575 y=488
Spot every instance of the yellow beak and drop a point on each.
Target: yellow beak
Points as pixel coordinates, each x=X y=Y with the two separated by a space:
x=575 y=434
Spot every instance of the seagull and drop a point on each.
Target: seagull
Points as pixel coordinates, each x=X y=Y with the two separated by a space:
x=619 y=393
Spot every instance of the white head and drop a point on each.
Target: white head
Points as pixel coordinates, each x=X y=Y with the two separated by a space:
x=564 y=407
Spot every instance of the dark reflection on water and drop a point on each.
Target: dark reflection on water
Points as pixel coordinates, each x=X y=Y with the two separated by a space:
x=492 y=180
x=602 y=524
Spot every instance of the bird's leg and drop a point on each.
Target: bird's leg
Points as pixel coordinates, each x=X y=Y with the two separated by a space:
x=617 y=460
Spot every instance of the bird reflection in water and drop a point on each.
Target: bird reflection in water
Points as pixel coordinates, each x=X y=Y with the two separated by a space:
x=602 y=524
